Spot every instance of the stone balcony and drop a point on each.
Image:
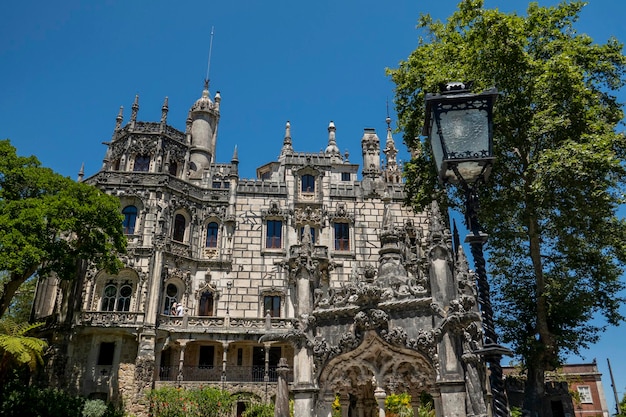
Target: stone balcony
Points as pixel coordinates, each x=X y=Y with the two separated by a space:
x=227 y=324
x=110 y=319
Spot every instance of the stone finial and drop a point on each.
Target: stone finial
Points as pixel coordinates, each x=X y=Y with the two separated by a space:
x=164 y=111
x=119 y=119
x=287 y=146
x=332 y=148
x=135 y=109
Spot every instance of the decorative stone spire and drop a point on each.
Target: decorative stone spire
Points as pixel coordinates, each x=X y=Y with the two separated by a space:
x=81 y=172
x=287 y=146
x=234 y=163
x=119 y=119
x=332 y=149
x=135 y=109
x=392 y=172
x=164 y=111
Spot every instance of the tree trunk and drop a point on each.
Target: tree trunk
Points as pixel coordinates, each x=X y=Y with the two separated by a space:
x=543 y=349
x=9 y=289
x=534 y=391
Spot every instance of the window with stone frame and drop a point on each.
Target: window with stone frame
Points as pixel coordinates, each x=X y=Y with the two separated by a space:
x=106 y=354
x=271 y=305
x=180 y=224
x=345 y=176
x=142 y=163
x=584 y=392
x=130 y=218
x=307 y=183
x=116 y=296
x=206 y=304
x=342 y=236
x=273 y=234
x=171 y=296
x=211 y=235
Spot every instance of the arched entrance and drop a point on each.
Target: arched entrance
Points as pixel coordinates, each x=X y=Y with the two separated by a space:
x=364 y=377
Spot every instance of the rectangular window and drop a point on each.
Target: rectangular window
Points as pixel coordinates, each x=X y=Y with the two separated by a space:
x=345 y=176
x=342 y=236
x=217 y=184
x=239 y=357
x=584 y=391
x=271 y=305
x=308 y=183
x=274 y=234
x=105 y=356
x=207 y=356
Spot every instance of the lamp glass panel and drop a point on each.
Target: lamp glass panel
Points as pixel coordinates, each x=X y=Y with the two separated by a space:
x=435 y=143
x=466 y=133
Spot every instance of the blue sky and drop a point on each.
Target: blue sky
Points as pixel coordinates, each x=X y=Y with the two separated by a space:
x=66 y=68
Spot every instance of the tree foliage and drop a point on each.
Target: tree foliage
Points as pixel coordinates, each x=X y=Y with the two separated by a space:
x=49 y=224
x=17 y=349
x=557 y=247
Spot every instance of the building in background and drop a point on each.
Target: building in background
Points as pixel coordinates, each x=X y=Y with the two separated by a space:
x=574 y=390
x=312 y=261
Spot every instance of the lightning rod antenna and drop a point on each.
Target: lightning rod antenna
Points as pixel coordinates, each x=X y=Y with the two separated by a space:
x=208 y=67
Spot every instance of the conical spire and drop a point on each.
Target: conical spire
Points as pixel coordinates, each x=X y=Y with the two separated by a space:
x=135 y=110
x=81 y=172
x=164 y=111
x=119 y=119
x=392 y=172
x=287 y=146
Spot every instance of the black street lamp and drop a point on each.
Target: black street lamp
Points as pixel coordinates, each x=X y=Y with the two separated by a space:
x=459 y=125
x=229 y=286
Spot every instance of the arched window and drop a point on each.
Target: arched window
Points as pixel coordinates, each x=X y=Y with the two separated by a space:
x=142 y=163
x=179 y=228
x=130 y=217
x=211 y=235
x=171 y=297
x=308 y=183
x=206 y=304
x=116 y=296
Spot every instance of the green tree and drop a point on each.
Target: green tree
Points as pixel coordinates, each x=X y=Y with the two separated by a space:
x=51 y=224
x=557 y=247
x=17 y=349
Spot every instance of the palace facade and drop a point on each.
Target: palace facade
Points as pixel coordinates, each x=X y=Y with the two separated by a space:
x=314 y=261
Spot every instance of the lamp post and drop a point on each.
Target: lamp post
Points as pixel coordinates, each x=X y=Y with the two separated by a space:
x=229 y=286
x=459 y=125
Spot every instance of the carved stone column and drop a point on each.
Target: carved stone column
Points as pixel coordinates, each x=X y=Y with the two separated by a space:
x=181 y=360
x=224 y=361
x=381 y=396
x=281 y=406
x=344 y=400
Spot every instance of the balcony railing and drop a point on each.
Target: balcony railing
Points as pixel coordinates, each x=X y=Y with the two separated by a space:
x=214 y=374
x=212 y=322
x=110 y=318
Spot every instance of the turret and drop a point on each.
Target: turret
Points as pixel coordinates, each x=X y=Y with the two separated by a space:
x=204 y=116
x=370 y=145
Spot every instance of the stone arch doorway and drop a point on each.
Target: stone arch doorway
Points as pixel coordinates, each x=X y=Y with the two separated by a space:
x=365 y=376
